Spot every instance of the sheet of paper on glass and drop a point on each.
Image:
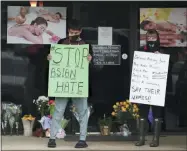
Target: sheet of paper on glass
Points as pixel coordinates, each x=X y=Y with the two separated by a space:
x=149 y=78
x=68 y=71
x=105 y=35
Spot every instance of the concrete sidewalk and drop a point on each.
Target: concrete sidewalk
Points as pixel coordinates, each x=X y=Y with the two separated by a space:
x=34 y=143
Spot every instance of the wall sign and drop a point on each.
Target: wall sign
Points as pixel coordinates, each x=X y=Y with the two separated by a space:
x=106 y=55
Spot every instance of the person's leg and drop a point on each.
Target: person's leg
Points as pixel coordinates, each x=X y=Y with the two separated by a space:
x=143 y=109
x=157 y=113
x=81 y=105
x=60 y=106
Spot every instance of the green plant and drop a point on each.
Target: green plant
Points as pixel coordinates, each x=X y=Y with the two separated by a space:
x=106 y=121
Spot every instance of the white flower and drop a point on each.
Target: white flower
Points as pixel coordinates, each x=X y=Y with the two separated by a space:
x=33 y=101
x=42 y=99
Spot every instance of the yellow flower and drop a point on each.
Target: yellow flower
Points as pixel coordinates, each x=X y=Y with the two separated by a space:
x=127 y=101
x=127 y=105
x=134 y=110
x=137 y=116
x=117 y=103
x=28 y=117
x=123 y=109
x=113 y=113
x=137 y=109
x=114 y=106
x=134 y=105
x=124 y=103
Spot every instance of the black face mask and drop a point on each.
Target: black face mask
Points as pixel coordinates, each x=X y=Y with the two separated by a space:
x=74 y=38
x=151 y=44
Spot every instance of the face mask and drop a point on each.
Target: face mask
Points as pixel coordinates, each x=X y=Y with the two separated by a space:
x=151 y=44
x=74 y=38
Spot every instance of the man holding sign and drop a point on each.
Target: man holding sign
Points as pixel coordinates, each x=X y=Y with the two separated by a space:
x=69 y=75
x=148 y=85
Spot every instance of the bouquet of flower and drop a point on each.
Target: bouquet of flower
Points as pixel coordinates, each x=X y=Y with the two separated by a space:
x=28 y=118
x=89 y=111
x=42 y=104
x=28 y=122
x=11 y=114
x=51 y=104
x=46 y=120
x=125 y=110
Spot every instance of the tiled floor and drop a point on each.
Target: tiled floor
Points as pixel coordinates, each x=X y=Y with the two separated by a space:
x=34 y=143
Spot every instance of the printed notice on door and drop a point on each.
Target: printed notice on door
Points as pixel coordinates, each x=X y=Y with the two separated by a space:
x=68 y=71
x=149 y=78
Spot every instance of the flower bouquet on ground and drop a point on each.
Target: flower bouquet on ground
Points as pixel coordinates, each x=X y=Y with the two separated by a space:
x=42 y=105
x=124 y=112
x=28 y=122
x=61 y=132
x=88 y=111
x=11 y=116
x=43 y=109
x=46 y=108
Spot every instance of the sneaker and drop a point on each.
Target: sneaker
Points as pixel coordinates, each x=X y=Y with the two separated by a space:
x=52 y=143
x=81 y=144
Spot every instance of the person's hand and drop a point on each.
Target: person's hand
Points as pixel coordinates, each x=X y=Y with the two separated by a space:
x=49 y=57
x=49 y=32
x=89 y=57
x=20 y=20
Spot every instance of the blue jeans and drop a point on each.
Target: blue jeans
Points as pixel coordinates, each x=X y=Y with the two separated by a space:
x=81 y=105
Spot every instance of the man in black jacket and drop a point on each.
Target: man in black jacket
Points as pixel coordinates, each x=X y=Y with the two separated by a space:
x=152 y=45
x=74 y=30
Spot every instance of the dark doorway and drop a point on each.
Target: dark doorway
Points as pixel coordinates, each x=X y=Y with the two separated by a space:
x=109 y=84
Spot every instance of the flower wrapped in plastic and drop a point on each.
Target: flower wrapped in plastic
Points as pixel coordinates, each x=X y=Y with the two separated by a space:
x=46 y=121
x=11 y=114
x=89 y=111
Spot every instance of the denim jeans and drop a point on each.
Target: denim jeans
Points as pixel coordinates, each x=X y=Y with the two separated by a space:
x=81 y=105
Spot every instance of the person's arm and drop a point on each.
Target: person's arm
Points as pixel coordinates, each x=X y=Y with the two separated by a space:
x=53 y=20
x=12 y=18
x=30 y=37
x=50 y=33
x=43 y=11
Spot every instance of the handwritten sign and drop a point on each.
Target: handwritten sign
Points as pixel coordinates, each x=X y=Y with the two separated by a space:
x=68 y=71
x=106 y=55
x=148 y=79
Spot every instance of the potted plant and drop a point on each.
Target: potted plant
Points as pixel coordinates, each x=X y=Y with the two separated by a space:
x=105 y=125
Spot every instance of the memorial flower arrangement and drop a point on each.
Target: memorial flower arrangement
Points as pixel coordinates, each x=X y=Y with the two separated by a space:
x=42 y=104
x=125 y=113
x=46 y=108
x=28 y=122
x=89 y=111
x=28 y=118
x=11 y=115
x=125 y=110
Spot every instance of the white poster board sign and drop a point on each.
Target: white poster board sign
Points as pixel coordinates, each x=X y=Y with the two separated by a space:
x=104 y=35
x=149 y=78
